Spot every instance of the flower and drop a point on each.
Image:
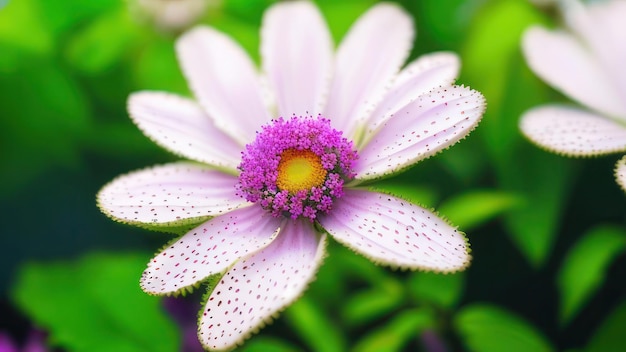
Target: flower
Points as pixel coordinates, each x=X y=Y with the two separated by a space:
x=585 y=63
x=279 y=166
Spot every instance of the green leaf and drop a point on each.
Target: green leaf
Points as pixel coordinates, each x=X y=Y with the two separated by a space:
x=367 y=305
x=305 y=317
x=609 y=337
x=585 y=266
x=395 y=334
x=488 y=328
x=95 y=304
x=476 y=207
x=266 y=344
x=443 y=290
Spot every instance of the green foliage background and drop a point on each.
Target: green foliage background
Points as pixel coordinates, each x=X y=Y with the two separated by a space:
x=548 y=233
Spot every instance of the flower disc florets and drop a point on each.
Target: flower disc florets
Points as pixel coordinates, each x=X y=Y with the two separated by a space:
x=296 y=167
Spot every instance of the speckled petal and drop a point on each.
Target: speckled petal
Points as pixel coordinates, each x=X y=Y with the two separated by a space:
x=181 y=126
x=569 y=66
x=395 y=232
x=369 y=56
x=571 y=131
x=169 y=193
x=297 y=56
x=209 y=249
x=431 y=123
x=261 y=285
x=620 y=173
x=224 y=80
x=428 y=72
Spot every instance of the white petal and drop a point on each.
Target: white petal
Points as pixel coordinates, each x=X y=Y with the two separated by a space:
x=395 y=232
x=209 y=249
x=368 y=58
x=169 y=193
x=428 y=72
x=572 y=131
x=429 y=124
x=224 y=80
x=181 y=126
x=566 y=64
x=620 y=173
x=259 y=286
x=297 y=56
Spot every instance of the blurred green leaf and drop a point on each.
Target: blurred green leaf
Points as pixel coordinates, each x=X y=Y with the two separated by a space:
x=609 y=337
x=266 y=344
x=103 y=42
x=305 y=317
x=67 y=15
x=369 y=304
x=473 y=208
x=156 y=67
x=395 y=334
x=95 y=304
x=584 y=268
x=488 y=328
x=18 y=16
x=444 y=290
x=340 y=15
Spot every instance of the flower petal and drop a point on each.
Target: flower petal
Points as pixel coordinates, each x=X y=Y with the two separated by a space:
x=181 y=126
x=569 y=66
x=209 y=249
x=169 y=193
x=224 y=80
x=395 y=232
x=297 y=56
x=369 y=56
x=259 y=286
x=571 y=131
x=428 y=72
x=620 y=173
x=431 y=123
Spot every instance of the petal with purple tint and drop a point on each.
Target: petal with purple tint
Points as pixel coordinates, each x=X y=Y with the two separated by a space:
x=261 y=285
x=369 y=56
x=571 y=131
x=620 y=173
x=182 y=127
x=568 y=65
x=224 y=80
x=297 y=56
x=209 y=249
x=428 y=72
x=169 y=193
x=431 y=123
x=394 y=232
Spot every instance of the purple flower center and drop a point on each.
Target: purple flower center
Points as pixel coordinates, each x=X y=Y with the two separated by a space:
x=296 y=167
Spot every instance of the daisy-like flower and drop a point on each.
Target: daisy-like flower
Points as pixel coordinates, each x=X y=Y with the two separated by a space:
x=586 y=63
x=274 y=174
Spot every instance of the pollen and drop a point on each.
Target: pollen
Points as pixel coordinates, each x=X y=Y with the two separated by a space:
x=299 y=170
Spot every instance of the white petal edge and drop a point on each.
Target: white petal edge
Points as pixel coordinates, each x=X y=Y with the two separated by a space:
x=367 y=59
x=297 y=53
x=428 y=125
x=620 y=173
x=181 y=126
x=224 y=80
x=573 y=132
x=258 y=287
x=394 y=232
x=209 y=249
x=565 y=63
x=169 y=193
x=428 y=72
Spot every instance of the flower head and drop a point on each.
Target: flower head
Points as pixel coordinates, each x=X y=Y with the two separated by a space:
x=280 y=166
x=585 y=62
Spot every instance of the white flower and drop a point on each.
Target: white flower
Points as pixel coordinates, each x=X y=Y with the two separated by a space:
x=586 y=63
x=273 y=181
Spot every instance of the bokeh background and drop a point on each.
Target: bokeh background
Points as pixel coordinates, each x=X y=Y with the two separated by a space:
x=548 y=234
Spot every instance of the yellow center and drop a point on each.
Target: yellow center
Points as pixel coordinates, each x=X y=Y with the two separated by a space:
x=299 y=170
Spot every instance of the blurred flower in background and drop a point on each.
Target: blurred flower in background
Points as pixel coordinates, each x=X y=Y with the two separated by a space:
x=585 y=62
x=301 y=172
x=172 y=15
